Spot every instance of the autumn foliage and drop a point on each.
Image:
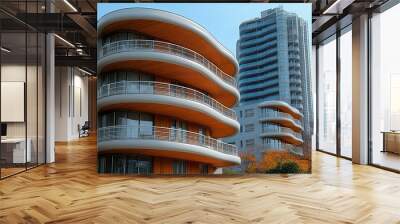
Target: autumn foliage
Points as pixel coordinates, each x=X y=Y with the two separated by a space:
x=271 y=159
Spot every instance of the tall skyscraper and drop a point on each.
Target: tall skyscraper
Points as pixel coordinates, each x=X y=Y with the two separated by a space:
x=275 y=110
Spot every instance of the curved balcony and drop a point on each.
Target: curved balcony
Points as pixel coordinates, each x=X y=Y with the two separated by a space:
x=245 y=81
x=167 y=142
x=132 y=53
x=296 y=89
x=257 y=56
x=167 y=99
x=283 y=146
x=295 y=80
x=283 y=107
x=261 y=62
x=267 y=68
x=260 y=85
x=270 y=42
x=254 y=37
x=283 y=133
x=283 y=119
x=170 y=27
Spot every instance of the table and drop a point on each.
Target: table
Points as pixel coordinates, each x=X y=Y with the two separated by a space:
x=391 y=141
x=13 y=150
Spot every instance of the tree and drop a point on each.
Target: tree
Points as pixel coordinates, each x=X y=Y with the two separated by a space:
x=285 y=167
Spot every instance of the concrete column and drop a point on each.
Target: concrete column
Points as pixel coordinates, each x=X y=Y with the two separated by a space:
x=360 y=90
x=50 y=99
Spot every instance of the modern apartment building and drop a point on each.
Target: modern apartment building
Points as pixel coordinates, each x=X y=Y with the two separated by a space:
x=165 y=92
x=275 y=110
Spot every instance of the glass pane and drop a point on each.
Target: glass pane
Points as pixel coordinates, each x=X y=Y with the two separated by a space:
x=120 y=118
x=110 y=119
x=133 y=85
x=346 y=94
x=327 y=96
x=385 y=84
x=32 y=99
x=14 y=153
x=41 y=98
x=146 y=124
x=118 y=164
x=131 y=164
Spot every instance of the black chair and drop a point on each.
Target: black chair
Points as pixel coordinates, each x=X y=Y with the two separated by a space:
x=84 y=130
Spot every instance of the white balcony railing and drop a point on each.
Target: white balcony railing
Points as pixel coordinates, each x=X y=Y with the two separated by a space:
x=164 y=89
x=284 y=146
x=277 y=129
x=132 y=132
x=269 y=113
x=164 y=47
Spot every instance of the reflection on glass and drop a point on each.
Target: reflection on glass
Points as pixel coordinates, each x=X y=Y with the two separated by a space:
x=327 y=96
x=385 y=84
x=15 y=152
x=22 y=73
x=31 y=101
x=346 y=94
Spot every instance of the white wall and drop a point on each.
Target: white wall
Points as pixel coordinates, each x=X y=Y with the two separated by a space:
x=71 y=102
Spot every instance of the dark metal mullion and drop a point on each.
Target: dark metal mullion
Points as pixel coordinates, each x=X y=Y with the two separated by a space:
x=369 y=89
x=45 y=95
x=26 y=87
x=317 y=97
x=37 y=91
x=338 y=77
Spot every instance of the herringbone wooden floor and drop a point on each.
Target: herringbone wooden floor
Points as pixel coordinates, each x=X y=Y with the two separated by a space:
x=70 y=191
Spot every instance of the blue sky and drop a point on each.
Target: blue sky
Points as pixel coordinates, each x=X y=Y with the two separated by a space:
x=222 y=20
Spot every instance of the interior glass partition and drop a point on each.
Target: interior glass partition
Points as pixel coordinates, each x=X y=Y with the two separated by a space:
x=385 y=89
x=14 y=144
x=22 y=77
x=327 y=96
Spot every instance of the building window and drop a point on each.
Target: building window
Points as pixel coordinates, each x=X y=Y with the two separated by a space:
x=250 y=142
x=249 y=113
x=203 y=169
x=125 y=164
x=179 y=167
x=249 y=127
x=179 y=130
x=202 y=137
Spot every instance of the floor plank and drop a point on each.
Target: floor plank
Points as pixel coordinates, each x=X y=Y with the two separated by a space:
x=70 y=191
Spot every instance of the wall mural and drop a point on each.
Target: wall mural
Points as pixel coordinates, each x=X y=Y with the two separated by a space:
x=183 y=92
